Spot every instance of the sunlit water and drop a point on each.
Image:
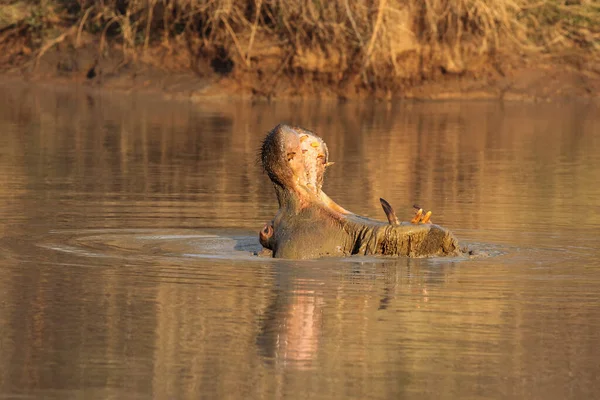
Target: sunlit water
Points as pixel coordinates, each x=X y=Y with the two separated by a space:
x=128 y=225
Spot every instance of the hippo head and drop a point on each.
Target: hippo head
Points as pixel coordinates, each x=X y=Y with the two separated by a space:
x=309 y=224
x=295 y=159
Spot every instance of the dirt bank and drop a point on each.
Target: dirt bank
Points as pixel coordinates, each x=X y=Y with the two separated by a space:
x=345 y=49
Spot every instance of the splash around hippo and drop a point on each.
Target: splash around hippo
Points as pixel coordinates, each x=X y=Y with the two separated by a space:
x=309 y=224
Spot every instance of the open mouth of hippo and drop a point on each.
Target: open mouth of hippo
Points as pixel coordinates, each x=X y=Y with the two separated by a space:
x=309 y=224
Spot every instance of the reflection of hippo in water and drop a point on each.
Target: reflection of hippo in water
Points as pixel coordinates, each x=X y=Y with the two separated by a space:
x=309 y=224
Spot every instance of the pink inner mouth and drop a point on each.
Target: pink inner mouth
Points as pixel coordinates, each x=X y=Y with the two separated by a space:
x=306 y=157
x=296 y=160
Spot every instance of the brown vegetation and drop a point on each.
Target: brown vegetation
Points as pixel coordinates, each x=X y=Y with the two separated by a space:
x=381 y=46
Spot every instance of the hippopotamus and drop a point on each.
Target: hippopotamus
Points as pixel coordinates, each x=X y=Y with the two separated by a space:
x=310 y=225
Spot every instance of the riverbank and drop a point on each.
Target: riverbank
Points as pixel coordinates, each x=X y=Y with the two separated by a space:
x=457 y=49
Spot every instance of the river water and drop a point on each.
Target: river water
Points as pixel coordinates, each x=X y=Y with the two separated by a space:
x=127 y=226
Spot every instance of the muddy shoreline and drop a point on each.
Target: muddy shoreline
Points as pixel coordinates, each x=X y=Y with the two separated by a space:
x=529 y=85
x=172 y=76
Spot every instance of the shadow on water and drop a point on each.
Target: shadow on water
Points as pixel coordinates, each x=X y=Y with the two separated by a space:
x=127 y=225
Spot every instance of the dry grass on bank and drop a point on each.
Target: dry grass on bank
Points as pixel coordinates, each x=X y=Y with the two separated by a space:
x=375 y=43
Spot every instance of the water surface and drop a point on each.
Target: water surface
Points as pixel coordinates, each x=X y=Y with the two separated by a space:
x=127 y=225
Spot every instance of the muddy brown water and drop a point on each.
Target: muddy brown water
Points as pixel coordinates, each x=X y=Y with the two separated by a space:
x=127 y=225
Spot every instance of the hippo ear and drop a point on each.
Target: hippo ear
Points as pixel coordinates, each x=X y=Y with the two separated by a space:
x=389 y=212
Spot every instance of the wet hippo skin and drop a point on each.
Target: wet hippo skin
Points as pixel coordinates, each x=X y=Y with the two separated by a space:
x=309 y=224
